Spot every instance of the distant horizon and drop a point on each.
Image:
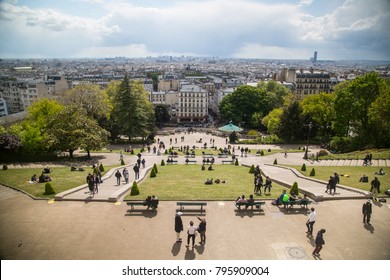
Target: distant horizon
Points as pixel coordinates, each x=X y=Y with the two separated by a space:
x=244 y=29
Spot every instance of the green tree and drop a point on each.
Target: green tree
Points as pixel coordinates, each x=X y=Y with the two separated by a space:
x=240 y=105
x=72 y=128
x=291 y=128
x=272 y=120
x=161 y=113
x=134 y=189
x=320 y=109
x=379 y=117
x=275 y=94
x=352 y=104
x=132 y=110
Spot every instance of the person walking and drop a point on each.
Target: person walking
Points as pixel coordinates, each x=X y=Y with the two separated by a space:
x=310 y=222
x=366 y=211
x=126 y=175
x=375 y=185
x=178 y=226
x=319 y=242
x=202 y=230
x=118 y=176
x=191 y=232
x=136 y=171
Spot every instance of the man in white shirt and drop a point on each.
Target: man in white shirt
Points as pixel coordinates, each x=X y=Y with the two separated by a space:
x=310 y=222
x=191 y=234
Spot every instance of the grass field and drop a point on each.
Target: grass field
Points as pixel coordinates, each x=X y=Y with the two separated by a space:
x=354 y=174
x=186 y=182
x=376 y=154
x=62 y=179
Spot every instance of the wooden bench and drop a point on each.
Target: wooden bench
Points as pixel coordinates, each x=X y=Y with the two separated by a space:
x=303 y=204
x=190 y=161
x=171 y=161
x=223 y=155
x=141 y=203
x=191 y=203
x=227 y=161
x=190 y=156
x=257 y=204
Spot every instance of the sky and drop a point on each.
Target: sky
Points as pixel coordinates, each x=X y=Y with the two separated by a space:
x=277 y=29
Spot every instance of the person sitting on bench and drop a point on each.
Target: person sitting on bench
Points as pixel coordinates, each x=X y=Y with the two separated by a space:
x=241 y=199
x=153 y=202
x=249 y=201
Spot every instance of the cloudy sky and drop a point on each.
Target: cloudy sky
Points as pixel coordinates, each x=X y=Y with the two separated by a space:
x=290 y=29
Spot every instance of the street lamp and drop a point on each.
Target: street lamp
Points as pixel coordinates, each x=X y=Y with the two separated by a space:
x=307 y=145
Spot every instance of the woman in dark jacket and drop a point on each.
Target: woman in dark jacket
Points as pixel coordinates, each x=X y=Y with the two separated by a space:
x=319 y=242
x=178 y=226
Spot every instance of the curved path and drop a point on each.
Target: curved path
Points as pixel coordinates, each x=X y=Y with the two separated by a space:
x=110 y=191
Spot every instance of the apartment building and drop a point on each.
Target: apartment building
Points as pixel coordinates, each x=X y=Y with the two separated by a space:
x=168 y=85
x=3 y=107
x=192 y=104
x=217 y=98
x=10 y=92
x=311 y=82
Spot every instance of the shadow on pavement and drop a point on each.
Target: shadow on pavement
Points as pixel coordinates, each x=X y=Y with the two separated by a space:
x=145 y=213
x=176 y=248
x=369 y=227
x=249 y=212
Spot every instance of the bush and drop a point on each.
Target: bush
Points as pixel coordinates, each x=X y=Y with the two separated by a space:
x=122 y=162
x=262 y=153
x=5 y=167
x=253 y=133
x=49 y=188
x=162 y=162
x=236 y=162
x=303 y=168
x=142 y=150
x=233 y=137
x=322 y=153
x=132 y=151
x=252 y=169
x=166 y=152
x=275 y=161
x=153 y=173
x=101 y=167
x=134 y=189
x=294 y=189
x=313 y=172
x=155 y=168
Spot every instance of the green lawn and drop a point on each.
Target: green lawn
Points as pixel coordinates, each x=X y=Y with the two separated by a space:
x=62 y=179
x=376 y=154
x=186 y=182
x=354 y=174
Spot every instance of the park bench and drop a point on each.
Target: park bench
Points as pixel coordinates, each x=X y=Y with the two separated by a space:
x=190 y=156
x=222 y=155
x=227 y=161
x=257 y=204
x=170 y=161
x=208 y=155
x=190 y=161
x=140 y=203
x=191 y=203
x=299 y=202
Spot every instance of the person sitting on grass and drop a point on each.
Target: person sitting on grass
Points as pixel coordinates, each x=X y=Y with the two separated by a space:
x=44 y=178
x=34 y=179
x=380 y=172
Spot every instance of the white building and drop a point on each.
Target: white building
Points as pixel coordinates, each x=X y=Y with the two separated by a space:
x=3 y=107
x=192 y=104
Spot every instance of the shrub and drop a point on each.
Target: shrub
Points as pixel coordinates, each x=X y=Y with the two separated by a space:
x=262 y=153
x=101 y=167
x=49 y=188
x=134 y=189
x=153 y=173
x=162 y=162
x=252 y=169
x=155 y=168
x=303 y=168
x=313 y=172
x=5 y=167
x=233 y=137
x=142 y=150
x=275 y=161
x=166 y=152
x=253 y=132
x=236 y=162
x=294 y=189
x=322 y=153
x=122 y=162
x=132 y=151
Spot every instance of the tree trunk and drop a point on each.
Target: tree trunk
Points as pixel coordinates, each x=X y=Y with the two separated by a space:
x=71 y=153
x=88 y=154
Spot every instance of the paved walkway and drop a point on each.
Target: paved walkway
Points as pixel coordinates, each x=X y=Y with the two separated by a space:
x=45 y=230
x=110 y=191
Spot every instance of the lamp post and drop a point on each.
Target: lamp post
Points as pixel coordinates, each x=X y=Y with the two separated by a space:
x=307 y=145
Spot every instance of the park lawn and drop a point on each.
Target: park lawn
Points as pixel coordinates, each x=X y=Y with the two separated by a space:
x=187 y=182
x=354 y=173
x=376 y=154
x=62 y=179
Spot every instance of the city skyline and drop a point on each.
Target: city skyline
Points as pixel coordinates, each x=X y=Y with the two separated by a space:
x=285 y=29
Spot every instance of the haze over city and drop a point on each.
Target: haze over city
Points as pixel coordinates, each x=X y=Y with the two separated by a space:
x=287 y=29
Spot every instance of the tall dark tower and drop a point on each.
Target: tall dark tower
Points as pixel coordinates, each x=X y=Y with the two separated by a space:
x=315 y=57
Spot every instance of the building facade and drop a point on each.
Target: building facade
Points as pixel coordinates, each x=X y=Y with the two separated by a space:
x=192 y=104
